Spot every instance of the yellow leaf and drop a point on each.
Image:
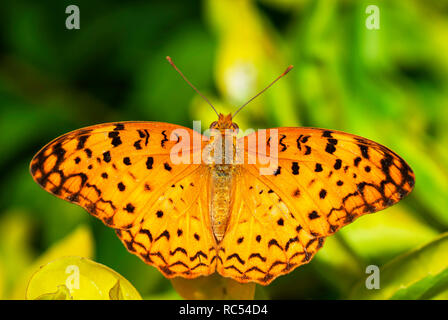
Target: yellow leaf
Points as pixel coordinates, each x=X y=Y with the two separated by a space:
x=115 y=293
x=16 y=254
x=78 y=243
x=84 y=278
x=62 y=293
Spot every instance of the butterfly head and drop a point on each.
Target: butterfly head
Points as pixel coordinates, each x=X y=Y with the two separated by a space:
x=224 y=123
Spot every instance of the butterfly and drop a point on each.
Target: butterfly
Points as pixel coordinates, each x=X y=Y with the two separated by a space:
x=190 y=218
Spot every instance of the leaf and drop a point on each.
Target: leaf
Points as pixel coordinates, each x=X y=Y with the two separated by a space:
x=213 y=287
x=84 y=278
x=336 y=264
x=16 y=230
x=419 y=289
x=62 y=293
x=78 y=243
x=387 y=234
x=419 y=274
x=115 y=293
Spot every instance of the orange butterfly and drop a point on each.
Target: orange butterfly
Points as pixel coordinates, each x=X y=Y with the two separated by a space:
x=192 y=219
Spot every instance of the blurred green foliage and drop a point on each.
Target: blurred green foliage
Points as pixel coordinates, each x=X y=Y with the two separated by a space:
x=389 y=85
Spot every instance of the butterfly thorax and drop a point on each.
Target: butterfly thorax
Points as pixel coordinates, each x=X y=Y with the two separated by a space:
x=222 y=172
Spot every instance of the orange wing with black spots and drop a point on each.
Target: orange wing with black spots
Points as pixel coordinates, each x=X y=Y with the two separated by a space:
x=321 y=181
x=112 y=170
x=174 y=235
x=265 y=238
x=122 y=173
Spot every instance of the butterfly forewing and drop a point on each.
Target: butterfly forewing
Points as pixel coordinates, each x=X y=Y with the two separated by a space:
x=115 y=171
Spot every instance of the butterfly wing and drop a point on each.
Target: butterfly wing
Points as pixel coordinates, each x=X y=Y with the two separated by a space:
x=175 y=235
x=320 y=181
x=123 y=174
x=264 y=239
x=113 y=170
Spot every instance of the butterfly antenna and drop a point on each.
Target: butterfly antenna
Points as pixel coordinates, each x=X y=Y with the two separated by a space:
x=278 y=78
x=191 y=85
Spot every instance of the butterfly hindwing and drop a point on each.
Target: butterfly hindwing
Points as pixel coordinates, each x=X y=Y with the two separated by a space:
x=264 y=239
x=175 y=235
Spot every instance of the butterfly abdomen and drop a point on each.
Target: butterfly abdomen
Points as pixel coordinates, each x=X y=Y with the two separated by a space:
x=221 y=189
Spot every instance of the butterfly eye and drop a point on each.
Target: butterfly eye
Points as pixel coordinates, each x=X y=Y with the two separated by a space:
x=235 y=126
x=213 y=125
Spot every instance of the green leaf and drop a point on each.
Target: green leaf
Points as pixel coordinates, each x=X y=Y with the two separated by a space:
x=419 y=289
x=379 y=237
x=419 y=274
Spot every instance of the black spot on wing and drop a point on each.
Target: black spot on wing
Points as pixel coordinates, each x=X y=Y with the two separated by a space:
x=322 y=194
x=81 y=142
x=338 y=164
x=330 y=148
x=308 y=150
x=295 y=168
x=282 y=144
x=137 y=145
x=149 y=162
x=313 y=215
x=115 y=136
x=296 y=193
x=129 y=208
x=88 y=152
x=106 y=156
x=364 y=151
x=327 y=134
x=277 y=171
x=162 y=142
